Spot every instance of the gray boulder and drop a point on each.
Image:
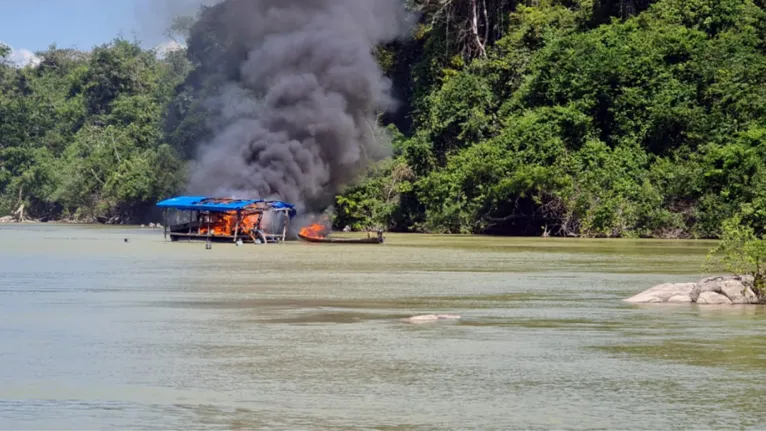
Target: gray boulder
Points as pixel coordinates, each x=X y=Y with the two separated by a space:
x=739 y=294
x=662 y=293
x=734 y=287
x=712 y=298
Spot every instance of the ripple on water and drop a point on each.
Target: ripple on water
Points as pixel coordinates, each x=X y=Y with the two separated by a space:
x=100 y=333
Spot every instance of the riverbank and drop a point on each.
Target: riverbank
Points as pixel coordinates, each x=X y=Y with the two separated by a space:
x=10 y=220
x=348 y=230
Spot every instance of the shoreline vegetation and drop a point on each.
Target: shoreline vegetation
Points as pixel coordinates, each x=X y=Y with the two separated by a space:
x=576 y=118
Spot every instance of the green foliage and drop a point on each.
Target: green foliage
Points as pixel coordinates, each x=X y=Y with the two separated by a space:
x=81 y=133
x=5 y=51
x=596 y=118
x=460 y=113
x=373 y=202
x=740 y=252
x=646 y=125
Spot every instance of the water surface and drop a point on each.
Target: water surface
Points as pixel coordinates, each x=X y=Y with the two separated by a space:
x=100 y=333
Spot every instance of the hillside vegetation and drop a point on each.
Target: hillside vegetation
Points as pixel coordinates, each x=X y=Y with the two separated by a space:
x=617 y=118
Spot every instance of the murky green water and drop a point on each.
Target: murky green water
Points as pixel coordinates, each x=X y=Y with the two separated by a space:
x=97 y=333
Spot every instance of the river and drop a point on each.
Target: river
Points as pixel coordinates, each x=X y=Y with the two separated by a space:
x=96 y=333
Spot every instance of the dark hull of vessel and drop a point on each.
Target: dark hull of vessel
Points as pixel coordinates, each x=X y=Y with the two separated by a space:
x=375 y=240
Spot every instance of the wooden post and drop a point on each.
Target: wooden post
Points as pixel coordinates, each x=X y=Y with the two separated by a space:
x=207 y=244
x=236 y=227
x=284 y=228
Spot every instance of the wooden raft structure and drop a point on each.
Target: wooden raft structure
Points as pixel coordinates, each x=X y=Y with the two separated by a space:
x=225 y=219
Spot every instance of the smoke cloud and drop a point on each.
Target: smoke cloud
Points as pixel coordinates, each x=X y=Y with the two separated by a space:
x=299 y=123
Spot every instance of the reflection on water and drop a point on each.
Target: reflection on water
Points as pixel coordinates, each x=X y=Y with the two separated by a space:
x=97 y=333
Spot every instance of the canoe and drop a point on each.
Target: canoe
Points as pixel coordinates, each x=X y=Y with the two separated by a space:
x=374 y=240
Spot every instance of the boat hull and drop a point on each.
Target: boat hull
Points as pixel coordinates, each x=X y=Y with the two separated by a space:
x=342 y=240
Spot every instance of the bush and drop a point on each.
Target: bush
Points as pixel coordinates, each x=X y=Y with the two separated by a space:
x=741 y=251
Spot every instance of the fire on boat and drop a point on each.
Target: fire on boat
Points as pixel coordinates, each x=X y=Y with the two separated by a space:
x=317 y=232
x=226 y=219
x=241 y=221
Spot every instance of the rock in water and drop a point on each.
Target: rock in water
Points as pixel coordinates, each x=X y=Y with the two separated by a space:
x=712 y=298
x=740 y=295
x=430 y=318
x=680 y=299
x=712 y=290
x=662 y=293
x=422 y=318
x=736 y=286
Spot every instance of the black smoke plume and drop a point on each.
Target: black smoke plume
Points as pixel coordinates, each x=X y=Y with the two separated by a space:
x=297 y=118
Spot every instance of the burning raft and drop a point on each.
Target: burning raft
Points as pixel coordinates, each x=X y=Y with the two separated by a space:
x=226 y=219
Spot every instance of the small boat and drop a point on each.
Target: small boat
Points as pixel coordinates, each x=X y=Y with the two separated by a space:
x=325 y=240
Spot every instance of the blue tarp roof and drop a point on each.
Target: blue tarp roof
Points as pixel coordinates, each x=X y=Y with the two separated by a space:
x=195 y=203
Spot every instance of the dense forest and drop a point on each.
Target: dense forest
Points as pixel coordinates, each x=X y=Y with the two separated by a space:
x=617 y=118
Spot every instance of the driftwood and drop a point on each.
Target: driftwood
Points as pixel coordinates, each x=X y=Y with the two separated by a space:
x=19 y=214
x=16 y=217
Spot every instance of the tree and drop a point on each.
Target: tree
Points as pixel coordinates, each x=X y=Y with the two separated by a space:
x=741 y=251
x=81 y=137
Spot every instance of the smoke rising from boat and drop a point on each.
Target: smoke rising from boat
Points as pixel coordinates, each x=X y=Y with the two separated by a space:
x=299 y=123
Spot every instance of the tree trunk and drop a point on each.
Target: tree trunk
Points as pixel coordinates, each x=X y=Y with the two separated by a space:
x=475 y=28
x=19 y=214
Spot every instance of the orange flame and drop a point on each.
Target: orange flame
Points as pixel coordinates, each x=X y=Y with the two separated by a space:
x=226 y=224
x=314 y=230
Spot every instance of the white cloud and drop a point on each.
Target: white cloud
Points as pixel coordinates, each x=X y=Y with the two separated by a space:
x=22 y=57
x=168 y=46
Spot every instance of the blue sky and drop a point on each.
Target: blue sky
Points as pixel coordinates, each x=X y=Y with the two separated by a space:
x=32 y=25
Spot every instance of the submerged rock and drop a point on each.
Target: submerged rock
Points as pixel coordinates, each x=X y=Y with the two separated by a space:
x=430 y=318
x=712 y=290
